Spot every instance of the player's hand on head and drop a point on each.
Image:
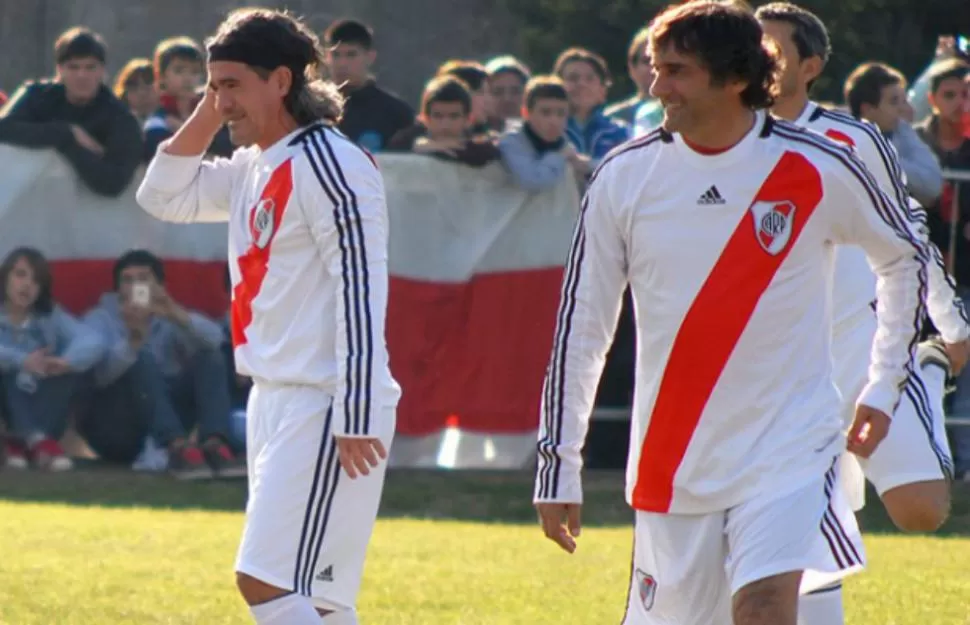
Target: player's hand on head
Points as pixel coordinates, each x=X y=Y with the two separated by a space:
x=561 y=523
x=359 y=455
x=868 y=429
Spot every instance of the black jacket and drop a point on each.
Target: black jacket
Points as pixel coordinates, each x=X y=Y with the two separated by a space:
x=372 y=116
x=39 y=115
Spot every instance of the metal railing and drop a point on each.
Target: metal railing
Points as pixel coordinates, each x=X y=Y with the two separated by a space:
x=957 y=177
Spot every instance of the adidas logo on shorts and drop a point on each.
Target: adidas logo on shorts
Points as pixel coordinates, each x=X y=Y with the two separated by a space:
x=326 y=575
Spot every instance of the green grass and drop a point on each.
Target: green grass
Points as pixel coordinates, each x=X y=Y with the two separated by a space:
x=107 y=547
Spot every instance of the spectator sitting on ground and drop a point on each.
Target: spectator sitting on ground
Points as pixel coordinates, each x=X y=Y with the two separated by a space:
x=77 y=115
x=179 y=70
x=135 y=87
x=43 y=352
x=877 y=93
x=641 y=111
x=239 y=385
x=587 y=79
x=163 y=375
x=507 y=77
x=538 y=154
x=446 y=118
x=371 y=115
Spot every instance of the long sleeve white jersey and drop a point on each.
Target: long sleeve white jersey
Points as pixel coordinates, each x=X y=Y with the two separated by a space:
x=307 y=258
x=729 y=259
x=854 y=286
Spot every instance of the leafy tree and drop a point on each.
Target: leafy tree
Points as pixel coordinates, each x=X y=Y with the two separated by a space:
x=901 y=33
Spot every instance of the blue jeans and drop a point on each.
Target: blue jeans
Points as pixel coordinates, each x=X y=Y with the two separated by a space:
x=44 y=411
x=144 y=402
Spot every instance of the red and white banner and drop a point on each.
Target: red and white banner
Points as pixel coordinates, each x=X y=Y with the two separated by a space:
x=476 y=268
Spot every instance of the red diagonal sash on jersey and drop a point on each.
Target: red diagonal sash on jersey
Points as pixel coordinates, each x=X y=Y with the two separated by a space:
x=716 y=319
x=264 y=221
x=841 y=137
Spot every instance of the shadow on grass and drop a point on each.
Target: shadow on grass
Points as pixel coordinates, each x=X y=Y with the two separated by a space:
x=471 y=496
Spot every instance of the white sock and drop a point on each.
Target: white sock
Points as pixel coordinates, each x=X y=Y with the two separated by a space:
x=935 y=379
x=292 y=609
x=341 y=618
x=822 y=607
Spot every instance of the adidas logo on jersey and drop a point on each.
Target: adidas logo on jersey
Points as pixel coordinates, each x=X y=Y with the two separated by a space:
x=326 y=575
x=711 y=196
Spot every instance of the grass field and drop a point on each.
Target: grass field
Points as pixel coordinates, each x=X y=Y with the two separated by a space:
x=108 y=548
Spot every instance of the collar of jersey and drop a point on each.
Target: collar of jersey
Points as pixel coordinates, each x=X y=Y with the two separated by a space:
x=806 y=115
x=281 y=149
x=739 y=152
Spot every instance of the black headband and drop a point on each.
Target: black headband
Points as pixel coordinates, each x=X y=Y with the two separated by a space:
x=255 y=55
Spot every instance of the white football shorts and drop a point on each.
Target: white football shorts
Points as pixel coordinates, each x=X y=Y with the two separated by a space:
x=307 y=523
x=915 y=449
x=686 y=568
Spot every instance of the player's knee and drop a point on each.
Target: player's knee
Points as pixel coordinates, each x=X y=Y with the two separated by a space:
x=255 y=591
x=927 y=517
x=918 y=508
x=772 y=600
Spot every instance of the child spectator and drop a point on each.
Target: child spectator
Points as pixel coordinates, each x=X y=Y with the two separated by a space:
x=135 y=86
x=446 y=118
x=641 y=112
x=77 y=115
x=179 y=68
x=475 y=77
x=587 y=79
x=163 y=375
x=371 y=115
x=876 y=92
x=43 y=352
x=507 y=78
x=538 y=154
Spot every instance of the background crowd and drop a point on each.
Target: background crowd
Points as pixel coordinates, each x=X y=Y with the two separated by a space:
x=150 y=384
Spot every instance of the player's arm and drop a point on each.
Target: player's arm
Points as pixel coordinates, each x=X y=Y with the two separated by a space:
x=179 y=186
x=944 y=307
x=342 y=196
x=867 y=216
x=592 y=293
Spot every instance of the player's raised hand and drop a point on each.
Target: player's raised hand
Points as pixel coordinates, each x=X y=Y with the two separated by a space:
x=868 y=429
x=561 y=523
x=359 y=455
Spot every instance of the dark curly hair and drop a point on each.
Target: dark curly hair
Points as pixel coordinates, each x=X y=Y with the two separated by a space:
x=272 y=34
x=727 y=39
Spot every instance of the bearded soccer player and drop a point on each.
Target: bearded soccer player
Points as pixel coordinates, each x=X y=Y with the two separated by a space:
x=308 y=262
x=723 y=222
x=912 y=468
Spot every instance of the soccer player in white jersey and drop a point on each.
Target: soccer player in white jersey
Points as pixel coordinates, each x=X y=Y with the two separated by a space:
x=912 y=468
x=723 y=222
x=308 y=261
